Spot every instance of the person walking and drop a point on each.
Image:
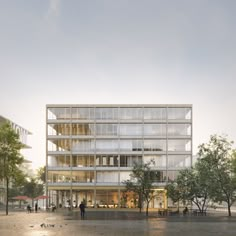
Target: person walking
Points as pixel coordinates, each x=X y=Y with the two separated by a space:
x=185 y=211
x=36 y=207
x=28 y=208
x=82 y=210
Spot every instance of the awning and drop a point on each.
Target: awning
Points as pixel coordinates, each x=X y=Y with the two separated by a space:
x=41 y=197
x=21 y=198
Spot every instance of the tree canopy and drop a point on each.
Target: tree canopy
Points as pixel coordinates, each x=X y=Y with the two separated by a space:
x=41 y=174
x=217 y=157
x=190 y=186
x=32 y=189
x=10 y=156
x=212 y=179
x=141 y=182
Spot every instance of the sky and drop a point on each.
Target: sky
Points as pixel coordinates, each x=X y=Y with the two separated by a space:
x=118 y=52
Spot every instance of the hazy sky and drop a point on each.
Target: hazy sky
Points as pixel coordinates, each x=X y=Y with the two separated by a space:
x=126 y=51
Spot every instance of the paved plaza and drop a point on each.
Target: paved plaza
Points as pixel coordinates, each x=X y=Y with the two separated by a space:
x=114 y=222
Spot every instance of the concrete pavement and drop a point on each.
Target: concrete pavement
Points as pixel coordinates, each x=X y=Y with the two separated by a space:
x=114 y=222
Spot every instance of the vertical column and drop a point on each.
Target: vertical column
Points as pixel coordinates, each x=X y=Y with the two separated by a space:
x=95 y=155
x=57 y=198
x=191 y=161
x=118 y=129
x=70 y=142
x=142 y=134
x=167 y=118
x=46 y=174
x=165 y=199
x=76 y=198
x=94 y=197
x=119 y=206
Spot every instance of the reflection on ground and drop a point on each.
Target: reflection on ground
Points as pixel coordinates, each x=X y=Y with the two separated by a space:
x=124 y=223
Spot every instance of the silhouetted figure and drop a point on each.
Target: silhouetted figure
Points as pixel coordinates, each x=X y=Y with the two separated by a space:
x=82 y=209
x=185 y=211
x=36 y=207
x=53 y=207
x=28 y=208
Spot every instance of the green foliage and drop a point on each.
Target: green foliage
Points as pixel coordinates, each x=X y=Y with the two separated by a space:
x=18 y=183
x=173 y=192
x=233 y=161
x=189 y=187
x=19 y=178
x=194 y=187
x=41 y=174
x=211 y=179
x=216 y=159
x=10 y=156
x=32 y=189
x=141 y=182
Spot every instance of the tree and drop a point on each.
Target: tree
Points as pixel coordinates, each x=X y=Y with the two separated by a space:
x=233 y=162
x=141 y=182
x=17 y=184
x=189 y=187
x=173 y=192
x=193 y=186
x=216 y=158
x=10 y=156
x=33 y=189
x=41 y=174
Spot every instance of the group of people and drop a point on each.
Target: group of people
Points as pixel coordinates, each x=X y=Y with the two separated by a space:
x=35 y=208
x=81 y=207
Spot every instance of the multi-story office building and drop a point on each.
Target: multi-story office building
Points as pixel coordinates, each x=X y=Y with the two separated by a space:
x=23 y=134
x=91 y=150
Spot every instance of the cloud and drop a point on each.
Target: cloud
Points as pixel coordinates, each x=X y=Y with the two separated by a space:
x=50 y=19
x=54 y=9
x=54 y=6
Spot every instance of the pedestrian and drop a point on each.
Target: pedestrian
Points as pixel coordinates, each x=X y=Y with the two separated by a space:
x=28 y=208
x=82 y=210
x=36 y=207
x=53 y=207
x=185 y=211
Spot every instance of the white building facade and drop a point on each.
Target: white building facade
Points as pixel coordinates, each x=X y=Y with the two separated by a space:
x=91 y=149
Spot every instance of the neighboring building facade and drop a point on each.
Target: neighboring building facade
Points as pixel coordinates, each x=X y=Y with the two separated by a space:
x=91 y=149
x=23 y=134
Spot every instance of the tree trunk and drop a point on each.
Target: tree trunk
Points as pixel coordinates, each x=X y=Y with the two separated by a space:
x=7 y=183
x=197 y=204
x=229 y=209
x=140 y=209
x=203 y=205
x=140 y=203
x=147 y=208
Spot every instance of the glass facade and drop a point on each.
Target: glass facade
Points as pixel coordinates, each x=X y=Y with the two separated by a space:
x=91 y=149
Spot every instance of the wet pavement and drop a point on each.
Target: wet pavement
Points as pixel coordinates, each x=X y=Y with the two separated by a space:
x=114 y=222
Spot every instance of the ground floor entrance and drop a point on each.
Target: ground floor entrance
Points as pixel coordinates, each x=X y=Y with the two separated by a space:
x=103 y=198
